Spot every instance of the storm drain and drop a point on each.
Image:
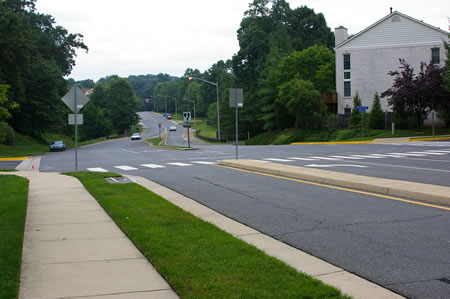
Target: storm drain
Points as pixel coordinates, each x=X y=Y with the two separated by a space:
x=119 y=180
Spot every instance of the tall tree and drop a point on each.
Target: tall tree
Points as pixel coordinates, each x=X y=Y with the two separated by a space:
x=35 y=53
x=376 y=120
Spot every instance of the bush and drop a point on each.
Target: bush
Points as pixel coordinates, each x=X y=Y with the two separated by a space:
x=7 y=135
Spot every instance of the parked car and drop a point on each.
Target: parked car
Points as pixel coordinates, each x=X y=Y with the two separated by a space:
x=136 y=136
x=172 y=128
x=169 y=117
x=57 y=145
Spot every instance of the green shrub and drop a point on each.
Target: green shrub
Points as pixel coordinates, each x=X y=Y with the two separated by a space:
x=376 y=120
x=7 y=135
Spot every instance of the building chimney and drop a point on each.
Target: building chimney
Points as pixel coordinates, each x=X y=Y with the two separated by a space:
x=340 y=35
x=391 y=10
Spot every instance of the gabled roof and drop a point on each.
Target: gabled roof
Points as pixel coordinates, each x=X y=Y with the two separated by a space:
x=385 y=18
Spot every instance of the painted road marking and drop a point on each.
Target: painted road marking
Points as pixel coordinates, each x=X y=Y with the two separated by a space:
x=125 y=167
x=204 y=162
x=347 y=157
x=343 y=189
x=153 y=166
x=367 y=156
x=302 y=159
x=387 y=155
x=428 y=153
x=277 y=160
x=406 y=154
x=437 y=151
x=97 y=169
x=179 y=164
x=326 y=158
x=336 y=165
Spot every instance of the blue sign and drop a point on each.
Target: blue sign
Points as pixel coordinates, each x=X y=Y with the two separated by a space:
x=362 y=108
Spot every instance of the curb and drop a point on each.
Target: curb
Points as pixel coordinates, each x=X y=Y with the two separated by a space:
x=418 y=191
x=348 y=283
x=14 y=159
x=389 y=140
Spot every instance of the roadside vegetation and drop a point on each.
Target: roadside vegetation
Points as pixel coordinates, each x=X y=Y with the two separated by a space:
x=195 y=257
x=13 y=202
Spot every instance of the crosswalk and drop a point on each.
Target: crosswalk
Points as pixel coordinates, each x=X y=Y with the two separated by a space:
x=331 y=158
x=420 y=143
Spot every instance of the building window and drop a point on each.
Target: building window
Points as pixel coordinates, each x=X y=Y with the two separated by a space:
x=347 y=89
x=347 y=76
x=435 y=56
x=346 y=61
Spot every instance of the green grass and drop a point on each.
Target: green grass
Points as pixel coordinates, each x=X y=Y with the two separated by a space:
x=29 y=146
x=291 y=135
x=13 y=202
x=207 y=131
x=195 y=257
x=154 y=141
x=8 y=170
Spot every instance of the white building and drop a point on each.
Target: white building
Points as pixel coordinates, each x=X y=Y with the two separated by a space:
x=364 y=60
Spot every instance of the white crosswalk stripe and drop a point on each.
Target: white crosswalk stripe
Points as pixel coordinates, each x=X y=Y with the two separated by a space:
x=406 y=154
x=437 y=151
x=347 y=157
x=179 y=164
x=277 y=160
x=204 y=162
x=326 y=158
x=428 y=153
x=125 y=167
x=302 y=159
x=387 y=156
x=97 y=169
x=367 y=156
x=153 y=165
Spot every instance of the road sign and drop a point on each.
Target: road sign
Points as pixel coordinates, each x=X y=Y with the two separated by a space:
x=362 y=108
x=187 y=118
x=72 y=119
x=236 y=97
x=70 y=100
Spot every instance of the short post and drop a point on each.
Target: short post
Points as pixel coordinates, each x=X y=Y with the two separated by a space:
x=189 y=139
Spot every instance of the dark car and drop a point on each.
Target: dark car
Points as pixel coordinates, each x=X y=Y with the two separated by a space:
x=57 y=145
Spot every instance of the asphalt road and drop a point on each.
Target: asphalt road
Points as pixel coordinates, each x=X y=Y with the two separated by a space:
x=401 y=246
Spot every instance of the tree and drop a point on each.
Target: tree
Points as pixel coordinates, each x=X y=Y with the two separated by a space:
x=447 y=67
x=419 y=94
x=121 y=105
x=96 y=124
x=6 y=106
x=34 y=56
x=376 y=120
x=355 y=118
x=302 y=101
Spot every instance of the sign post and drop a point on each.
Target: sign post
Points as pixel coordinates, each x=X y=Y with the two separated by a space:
x=187 y=124
x=236 y=100
x=75 y=100
x=362 y=109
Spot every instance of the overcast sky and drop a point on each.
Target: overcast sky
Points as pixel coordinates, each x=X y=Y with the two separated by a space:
x=134 y=37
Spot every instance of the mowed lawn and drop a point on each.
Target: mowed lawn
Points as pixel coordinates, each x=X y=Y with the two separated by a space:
x=13 y=206
x=197 y=259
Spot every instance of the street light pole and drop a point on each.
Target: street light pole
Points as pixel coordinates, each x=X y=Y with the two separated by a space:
x=217 y=93
x=176 y=110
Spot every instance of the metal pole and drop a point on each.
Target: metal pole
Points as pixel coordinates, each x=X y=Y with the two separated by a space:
x=165 y=99
x=176 y=111
x=236 y=105
x=189 y=140
x=218 y=110
x=362 y=127
x=76 y=131
x=194 y=113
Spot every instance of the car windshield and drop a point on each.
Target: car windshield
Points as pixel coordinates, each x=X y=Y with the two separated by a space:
x=58 y=142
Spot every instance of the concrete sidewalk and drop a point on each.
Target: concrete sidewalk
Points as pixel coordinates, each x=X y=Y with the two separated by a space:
x=424 y=192
x=72 y=248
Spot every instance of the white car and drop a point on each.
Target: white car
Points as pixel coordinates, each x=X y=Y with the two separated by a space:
x=172 y=128
x=136 y=136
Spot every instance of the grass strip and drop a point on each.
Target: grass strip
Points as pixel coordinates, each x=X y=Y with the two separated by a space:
x=198 y=259
x=13 y=202
x=154 y=141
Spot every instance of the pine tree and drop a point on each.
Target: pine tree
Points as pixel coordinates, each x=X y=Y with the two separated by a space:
x=355 y=118
x=376 y=120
